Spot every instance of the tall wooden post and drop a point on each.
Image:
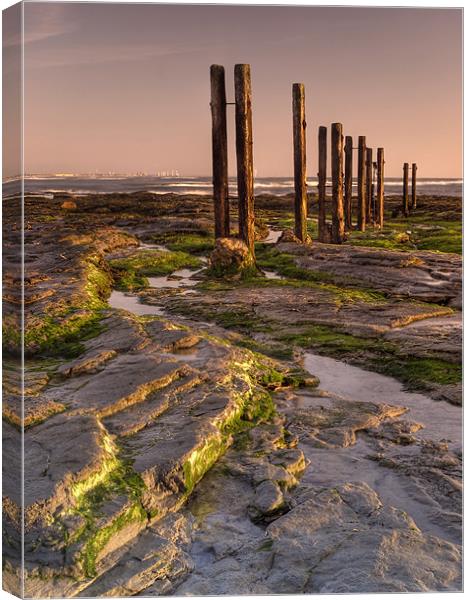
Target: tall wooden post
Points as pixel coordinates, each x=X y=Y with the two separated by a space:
x=414 y=185
x=361 y=182
x=348 y=182
x=219 y=152
x=405 y=190
x=322 y=168
x=242 y=77
x=299 y=156
x=337 y=163
x=380 y=187
x=369 y=183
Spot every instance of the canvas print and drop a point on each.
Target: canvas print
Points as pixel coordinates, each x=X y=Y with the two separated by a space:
x=232 y=242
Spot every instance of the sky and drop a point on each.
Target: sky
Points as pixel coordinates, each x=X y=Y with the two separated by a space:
x=125 y=87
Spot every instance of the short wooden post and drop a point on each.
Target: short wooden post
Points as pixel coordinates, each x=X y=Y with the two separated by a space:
x=242 y=77
x=405 y=190
x=414 y=185
x=374 y=209
x=337 y=162
x=361 y=183
x=299 y=157
x=369 y=184
x=322 y=167
x=348 y=182
x=380 y=187
x=219 y=152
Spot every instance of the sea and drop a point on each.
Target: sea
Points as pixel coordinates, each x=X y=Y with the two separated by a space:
x=278 y=186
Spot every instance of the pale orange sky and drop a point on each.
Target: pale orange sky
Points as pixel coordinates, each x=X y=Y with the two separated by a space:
x=126 y=87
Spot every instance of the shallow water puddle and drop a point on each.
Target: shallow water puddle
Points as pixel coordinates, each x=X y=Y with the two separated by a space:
x=441 y=420
x=272 y=275
x=145 y=246
x=273 y=236
x=178 y=279
x=132 y=303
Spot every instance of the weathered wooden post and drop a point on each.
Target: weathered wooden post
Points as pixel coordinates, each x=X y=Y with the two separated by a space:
x=405 y=190
x=348 y=182
x=361 y=183
x=242 y=77
x=414 y=185
x=380 y=187
x=299 y=157
x=337 y=161
x=322 y=167
x=373 y=196
x=219 y=152
x=369 y=184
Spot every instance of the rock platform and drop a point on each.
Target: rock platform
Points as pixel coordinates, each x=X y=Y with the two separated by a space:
x=177 y=454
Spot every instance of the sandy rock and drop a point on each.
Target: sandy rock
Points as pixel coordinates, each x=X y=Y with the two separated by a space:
x=291 y=459
x=126 y=380
x=68 y=205
x=150 y=558
x=268 y=500
x=288 y=237
x=429 y=276
x=335 y=542
x=58 y=453
x=335 y=423
x=427 y=337
x=399 y=432
x=452 y=393
x=434 y=474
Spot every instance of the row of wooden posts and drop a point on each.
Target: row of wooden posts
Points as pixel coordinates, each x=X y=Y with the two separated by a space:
x=369 y=209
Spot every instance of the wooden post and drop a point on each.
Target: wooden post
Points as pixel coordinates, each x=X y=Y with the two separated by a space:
x=219 y=152
x=361 y=182
x=337 y=163
x=242 y=77
x=348 y=182
x=369 y=183
x=299 y=156
x=380 y=187
x=405 y=190
x=414 y=185
x=322 y=168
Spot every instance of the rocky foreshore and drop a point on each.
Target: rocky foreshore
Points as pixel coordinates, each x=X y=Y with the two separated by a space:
x=176 y=438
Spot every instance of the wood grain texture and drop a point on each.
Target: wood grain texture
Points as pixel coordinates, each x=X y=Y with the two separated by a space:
x=337 y=162
x=405 y=190
x=380 y=187
x=361 y=183
x=348 y=149
x=299 y=159
x=322 y=174
x=219 y=152
x=244 y=159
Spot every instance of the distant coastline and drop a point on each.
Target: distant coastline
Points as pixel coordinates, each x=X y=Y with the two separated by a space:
x=276 y=186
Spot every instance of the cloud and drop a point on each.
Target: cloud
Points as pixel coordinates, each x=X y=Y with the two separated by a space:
x=84 y=54
x=42 y=21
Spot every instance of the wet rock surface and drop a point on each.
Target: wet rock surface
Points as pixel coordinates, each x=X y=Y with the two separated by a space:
x=164 y=457
x=336 y=539
x=421 y=275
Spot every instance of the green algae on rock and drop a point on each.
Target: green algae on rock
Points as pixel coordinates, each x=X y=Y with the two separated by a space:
x=231 y=258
